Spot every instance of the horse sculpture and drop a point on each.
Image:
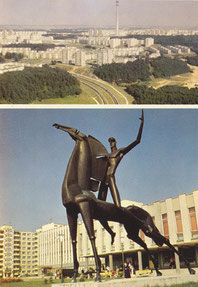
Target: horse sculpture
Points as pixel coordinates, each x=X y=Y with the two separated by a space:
x=82 y=176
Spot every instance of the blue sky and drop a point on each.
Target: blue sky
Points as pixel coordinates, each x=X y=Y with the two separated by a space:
x=98 y=13
x=34 y=156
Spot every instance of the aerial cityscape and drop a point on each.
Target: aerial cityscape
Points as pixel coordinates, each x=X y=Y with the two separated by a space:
x=109 y=61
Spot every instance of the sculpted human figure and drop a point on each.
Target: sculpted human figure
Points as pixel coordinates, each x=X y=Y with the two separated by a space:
x=113 y=161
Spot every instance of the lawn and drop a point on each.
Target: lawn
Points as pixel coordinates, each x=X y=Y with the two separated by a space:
x=86 y=97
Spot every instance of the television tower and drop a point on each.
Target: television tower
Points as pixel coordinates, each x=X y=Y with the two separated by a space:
x=117 y=18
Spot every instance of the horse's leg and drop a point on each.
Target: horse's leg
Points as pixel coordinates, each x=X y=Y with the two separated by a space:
x=191 y=271
x=139 y=241
x=108 y=229
x=157 y=236
x=88 y=221
x=72 y=220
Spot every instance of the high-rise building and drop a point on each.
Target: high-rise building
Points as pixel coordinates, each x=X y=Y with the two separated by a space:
x=149 y=42
x=18 y=252
x=80 y=58
x=105 y=57
x=67 y=55
x=29 y=253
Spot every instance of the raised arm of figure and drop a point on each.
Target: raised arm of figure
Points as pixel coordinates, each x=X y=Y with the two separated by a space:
x=138 y=139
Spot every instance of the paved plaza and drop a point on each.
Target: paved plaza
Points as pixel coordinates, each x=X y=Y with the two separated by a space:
x=168 y=278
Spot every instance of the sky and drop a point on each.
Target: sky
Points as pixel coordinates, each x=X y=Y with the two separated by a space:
x=99 y=13
x=34 y=157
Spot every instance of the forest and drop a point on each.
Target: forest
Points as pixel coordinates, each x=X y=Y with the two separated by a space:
x=164 y=95
x=192 y=60
x=23 y=87
x=141 y=70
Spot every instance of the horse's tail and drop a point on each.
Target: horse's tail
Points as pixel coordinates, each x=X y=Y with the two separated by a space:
x=146 y=224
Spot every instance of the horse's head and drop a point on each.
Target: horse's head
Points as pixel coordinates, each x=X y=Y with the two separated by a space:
x=74 y=133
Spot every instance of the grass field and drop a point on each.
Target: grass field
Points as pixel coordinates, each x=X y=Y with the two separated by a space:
x=189 y=80
x=86 y=97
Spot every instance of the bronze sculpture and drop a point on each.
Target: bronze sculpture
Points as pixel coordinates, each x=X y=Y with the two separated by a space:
x=86 y=169
x=113 y=160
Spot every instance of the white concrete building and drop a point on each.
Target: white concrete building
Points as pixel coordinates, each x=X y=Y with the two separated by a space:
x=80 y=58
x=18 y=252
x=28 y=253
x=115 y=42
x=54 y=247
x=149 y=42
x=105 y=57
x=132 y=42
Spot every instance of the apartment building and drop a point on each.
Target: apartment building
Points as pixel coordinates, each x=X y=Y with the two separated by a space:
x=105 y=57
x=17 y=255
x=80 y=58
x=29 y=253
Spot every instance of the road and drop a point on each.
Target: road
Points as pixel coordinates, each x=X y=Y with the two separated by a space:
x=102 y=89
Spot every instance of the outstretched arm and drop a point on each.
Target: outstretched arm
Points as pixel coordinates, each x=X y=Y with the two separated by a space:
x=74 y=133
x=138 y=139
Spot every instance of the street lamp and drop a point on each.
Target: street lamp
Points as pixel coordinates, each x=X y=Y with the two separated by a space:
x=61 y=238
x=122 y=248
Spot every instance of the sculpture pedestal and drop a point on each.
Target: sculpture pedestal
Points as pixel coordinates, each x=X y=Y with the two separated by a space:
x=136 y=282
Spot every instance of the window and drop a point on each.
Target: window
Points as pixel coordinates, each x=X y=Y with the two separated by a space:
x=193 y=222
x=179 y=225
x=165 y=225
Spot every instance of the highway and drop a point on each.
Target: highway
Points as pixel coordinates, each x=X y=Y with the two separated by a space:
x=97 y=92
x=106 y=96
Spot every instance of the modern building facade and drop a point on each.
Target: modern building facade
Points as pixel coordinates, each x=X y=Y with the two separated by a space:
x=54 y=248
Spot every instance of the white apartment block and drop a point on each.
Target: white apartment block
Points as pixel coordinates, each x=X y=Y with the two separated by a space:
x=68 y=55
x=80 y=58
x=115 y=42
x=165 y=50
x=11 y=37
x=184 y=49
x=29 y=253
x=15 y=66
x=149 y=42
x=18 y=256
x=105 y=57
x=132 y=42
x=95 y=33
x=124 y=52
x=175 y=50
x=101 y=41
